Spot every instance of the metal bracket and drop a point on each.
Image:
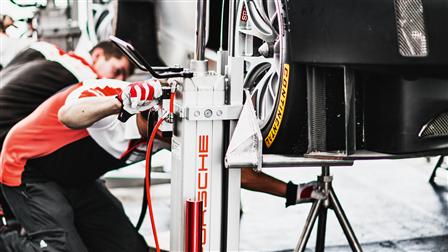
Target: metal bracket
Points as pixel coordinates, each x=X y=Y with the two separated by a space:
x=247 y=142
x=209 y=113
x=281 y=161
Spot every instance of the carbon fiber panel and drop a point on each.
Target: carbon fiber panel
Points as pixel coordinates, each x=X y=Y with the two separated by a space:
x=412 y=39
x=436 y=127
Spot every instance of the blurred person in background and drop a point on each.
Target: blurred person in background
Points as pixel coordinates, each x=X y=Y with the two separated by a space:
x=42 y=69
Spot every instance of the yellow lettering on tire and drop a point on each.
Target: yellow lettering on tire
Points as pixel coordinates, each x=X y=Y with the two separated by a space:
x=280 y=108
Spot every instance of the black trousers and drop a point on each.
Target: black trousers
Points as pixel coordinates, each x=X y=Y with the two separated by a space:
x=73 y=219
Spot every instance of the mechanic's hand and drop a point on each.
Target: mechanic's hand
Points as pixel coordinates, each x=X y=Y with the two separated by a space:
x=308 y=191
x=139 y=96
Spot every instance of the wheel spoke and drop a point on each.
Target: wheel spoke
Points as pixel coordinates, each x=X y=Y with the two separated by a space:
x=264 y=94
x=276 y=59
x=272 y=11
x=262 y=82
x=260 y=25
x=277 y=46
x=270 y=84
x=269 y=96
x=273 y=18
x=264 y=62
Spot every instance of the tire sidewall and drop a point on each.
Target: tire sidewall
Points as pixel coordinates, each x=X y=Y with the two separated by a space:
x=286 y=130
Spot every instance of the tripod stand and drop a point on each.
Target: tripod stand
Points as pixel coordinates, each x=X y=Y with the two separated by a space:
x=319 y=210
x=439 y=165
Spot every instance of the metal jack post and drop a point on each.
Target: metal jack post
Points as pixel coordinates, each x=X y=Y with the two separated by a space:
x=319 y=210
x=201 y=113
x=205 y=111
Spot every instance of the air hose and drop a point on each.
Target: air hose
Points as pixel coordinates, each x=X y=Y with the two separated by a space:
x=148 y=181
x=151 y=119
x=148 y=168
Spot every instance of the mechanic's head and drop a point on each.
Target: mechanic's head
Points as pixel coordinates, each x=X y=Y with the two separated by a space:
x=110 y=62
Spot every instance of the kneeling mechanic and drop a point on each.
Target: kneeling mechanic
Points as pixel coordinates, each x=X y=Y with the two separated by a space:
x=52 y=159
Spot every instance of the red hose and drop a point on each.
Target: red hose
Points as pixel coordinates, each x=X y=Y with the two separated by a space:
x=148 y=183
x=131 y=149
x=148 y=172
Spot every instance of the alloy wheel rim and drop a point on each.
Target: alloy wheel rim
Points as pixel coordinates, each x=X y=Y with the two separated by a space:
x=259 y=39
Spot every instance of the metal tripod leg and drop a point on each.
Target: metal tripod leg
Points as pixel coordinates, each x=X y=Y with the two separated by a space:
x=343 y=221
x=325 y=181
x=320 y=209
x=434 y=172
x=321 y=228
x=310 y=220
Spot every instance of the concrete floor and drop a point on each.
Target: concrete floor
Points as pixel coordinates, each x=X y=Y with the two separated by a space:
x=389 y=203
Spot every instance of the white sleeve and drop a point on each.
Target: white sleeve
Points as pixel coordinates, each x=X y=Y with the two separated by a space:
x=115 y=137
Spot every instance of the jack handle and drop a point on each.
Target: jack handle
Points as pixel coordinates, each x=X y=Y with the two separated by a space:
x=142 y=64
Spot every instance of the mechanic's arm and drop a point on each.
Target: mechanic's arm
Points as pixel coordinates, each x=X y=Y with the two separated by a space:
x=133 y=98
x=88 y=111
